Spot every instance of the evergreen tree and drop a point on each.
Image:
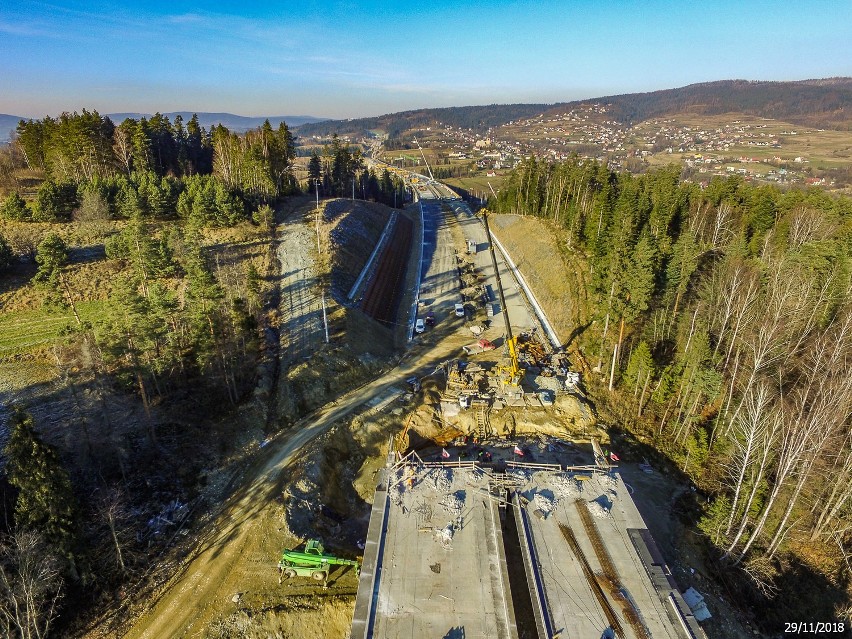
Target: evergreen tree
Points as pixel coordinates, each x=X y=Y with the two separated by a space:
x=199 y=151
x=54 y=201
x=30 y=140
x=45 y=498
x=7 y=257
x=14 y=208
x=314 y=171
x=51 y=257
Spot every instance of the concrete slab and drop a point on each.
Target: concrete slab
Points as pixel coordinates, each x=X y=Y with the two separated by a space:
x=440 y=570
x=574 y=608
x=436 y=562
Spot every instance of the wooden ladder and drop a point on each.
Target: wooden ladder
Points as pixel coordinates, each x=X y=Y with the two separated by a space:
x=481 y=421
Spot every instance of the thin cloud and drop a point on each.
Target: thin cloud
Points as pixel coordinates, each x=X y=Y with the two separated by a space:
x=186 y=18
x=27 y=30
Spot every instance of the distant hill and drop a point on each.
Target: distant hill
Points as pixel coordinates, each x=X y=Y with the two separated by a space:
x=8 y=123
x=819 y=103
x=823 y=103
x=478 y=118
x=236 y=123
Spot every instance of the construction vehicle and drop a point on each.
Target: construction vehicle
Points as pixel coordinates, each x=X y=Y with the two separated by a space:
x=513 y=370
x=313 y=563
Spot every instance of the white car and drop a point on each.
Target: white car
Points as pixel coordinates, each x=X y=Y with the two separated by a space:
x=419 y=326
x=459 y=310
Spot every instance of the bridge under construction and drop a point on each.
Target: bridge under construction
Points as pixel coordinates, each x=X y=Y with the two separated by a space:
x=457 y=549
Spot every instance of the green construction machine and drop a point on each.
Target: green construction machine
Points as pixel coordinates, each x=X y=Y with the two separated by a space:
x=313 y=563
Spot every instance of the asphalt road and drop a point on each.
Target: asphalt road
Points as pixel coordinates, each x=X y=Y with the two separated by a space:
x=520 y=317
x=439 y=281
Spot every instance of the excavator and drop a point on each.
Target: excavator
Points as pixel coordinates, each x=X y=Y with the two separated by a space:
x=512 y=371
x=312 y=562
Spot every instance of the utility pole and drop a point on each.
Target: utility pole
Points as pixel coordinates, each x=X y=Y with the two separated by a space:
x=324 y=318
x=431 y=177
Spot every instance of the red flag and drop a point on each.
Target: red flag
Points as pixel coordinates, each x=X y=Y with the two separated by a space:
x=518 y=451
x=444 y=453
x=614 y=457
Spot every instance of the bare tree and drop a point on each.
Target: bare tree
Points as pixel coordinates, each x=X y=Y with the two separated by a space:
x=807 y=225
x=122 y=146
x=824 y=407
x=817 y=407
x=720 y=230
x=828 y=506
x=748 y=437
x=30 y=586
x=117 y=519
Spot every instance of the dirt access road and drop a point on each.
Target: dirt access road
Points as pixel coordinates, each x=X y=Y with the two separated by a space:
x=202 y=590
x=302 y=330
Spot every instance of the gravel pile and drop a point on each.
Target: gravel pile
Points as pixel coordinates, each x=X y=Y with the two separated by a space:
x=519 y=473
x=607 y=481
x=544 y=504
x=474 y=476
x=440 y=480
x=600 y=508
x=454 y=503
x=566 y=487
x=445 y=535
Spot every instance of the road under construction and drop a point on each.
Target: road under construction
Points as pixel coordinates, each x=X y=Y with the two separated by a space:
x=510 y=548
x=498 y=547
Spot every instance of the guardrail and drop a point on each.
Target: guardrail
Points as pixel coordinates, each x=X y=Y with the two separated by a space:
x=416 y=302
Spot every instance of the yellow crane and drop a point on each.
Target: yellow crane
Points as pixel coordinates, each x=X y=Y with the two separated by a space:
x=513 y=370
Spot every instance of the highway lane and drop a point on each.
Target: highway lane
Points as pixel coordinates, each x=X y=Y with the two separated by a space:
x=439 y=282
x=520 y=317
x=439 y=279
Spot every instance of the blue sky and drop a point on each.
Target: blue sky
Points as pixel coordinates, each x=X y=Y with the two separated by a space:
x=352 y=59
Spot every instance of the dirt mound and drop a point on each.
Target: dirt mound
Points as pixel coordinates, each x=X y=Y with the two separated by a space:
x=548 y=267
x=329 y=492
x=571 y=417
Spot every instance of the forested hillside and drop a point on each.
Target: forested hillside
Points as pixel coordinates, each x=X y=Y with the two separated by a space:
x=479 y=118
x=819 y=103
x=137 y=265
x=720 y=326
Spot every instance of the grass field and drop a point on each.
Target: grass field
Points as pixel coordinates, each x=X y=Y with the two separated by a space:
x=23 y=331
x=479 y=183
